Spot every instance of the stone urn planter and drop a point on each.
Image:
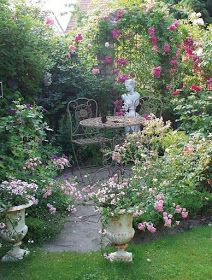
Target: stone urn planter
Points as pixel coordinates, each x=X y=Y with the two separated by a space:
x=15 y=231
x=119 y=231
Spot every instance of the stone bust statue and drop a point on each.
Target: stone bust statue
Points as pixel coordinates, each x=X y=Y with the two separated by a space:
x=131 y=101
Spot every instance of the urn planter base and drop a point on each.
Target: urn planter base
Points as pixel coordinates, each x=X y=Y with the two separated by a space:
x=119 y=231
x=15 y=254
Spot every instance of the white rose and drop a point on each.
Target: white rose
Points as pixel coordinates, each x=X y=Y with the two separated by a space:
x=107 y=44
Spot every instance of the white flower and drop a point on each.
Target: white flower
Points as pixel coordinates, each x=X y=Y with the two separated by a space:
x=198 y=21
x=107 y=44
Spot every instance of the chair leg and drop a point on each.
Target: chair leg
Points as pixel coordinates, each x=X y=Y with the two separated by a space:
x=77 y=162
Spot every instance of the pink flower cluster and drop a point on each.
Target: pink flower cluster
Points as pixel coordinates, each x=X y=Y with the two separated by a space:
x=32 y=163
x=166 y=48
x=122 y=78
x=116 y=33
x=47 y=193
x=70 y=189
x=156 y=71
x=49 y=21
x=182 y=211
x=95 y=71
x=118 y=107
x=122 y=61
x=78 y=38
x=108 y=59
x=51 y=208
x=145 y=225
x=173 y=26
x=72 y=48
x=61 y=162
x=159 y=203
x=153 y=38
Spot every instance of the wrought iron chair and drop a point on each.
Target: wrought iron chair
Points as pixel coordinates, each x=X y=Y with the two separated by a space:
x=77 y=110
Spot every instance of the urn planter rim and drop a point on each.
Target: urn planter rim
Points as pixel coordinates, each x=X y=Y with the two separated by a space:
x=19 y=207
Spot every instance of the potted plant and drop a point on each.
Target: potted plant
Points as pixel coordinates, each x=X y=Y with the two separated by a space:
x=118 y=200
x=16 y=196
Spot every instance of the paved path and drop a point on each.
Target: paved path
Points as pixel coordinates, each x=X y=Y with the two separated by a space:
x=81 y=230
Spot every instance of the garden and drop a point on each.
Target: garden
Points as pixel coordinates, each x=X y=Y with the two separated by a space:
x=106 y=139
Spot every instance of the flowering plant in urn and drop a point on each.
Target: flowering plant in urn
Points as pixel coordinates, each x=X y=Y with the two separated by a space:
x=15 y=197
x=117 y=200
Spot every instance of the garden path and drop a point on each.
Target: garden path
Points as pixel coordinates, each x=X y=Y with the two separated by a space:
x=81 y=230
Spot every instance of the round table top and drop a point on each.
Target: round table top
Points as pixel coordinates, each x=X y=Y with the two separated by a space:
x=112 y=122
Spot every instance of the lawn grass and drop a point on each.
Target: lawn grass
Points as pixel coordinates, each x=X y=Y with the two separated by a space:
x=186 y=256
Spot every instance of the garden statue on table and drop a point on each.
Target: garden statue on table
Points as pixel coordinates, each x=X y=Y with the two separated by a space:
x=131 y=101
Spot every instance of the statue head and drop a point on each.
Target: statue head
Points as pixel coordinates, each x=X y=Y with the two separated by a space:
x=130 y=85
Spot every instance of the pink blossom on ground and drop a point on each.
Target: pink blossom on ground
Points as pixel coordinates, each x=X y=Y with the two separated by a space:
x=78 y=38
x=166 y=48
x=95 y=71
x=116 y=33
x=156 y=71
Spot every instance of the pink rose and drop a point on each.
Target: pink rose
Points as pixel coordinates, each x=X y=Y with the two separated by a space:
x=166 y=48
x=154 y=39
x=122 y=61
x=116 y=33
x=151 y=228
x=49 y=21
x=108 y=59
x=95 y=71
x=78 y=38
x=72 y=48
x=151 y=31
x=176 y=92
x=184 y=214
x=156 y=71
x=142 y=226
x=155 y=48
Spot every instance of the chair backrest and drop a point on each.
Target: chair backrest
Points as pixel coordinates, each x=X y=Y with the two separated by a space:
x=150 y=105
x=80 y=109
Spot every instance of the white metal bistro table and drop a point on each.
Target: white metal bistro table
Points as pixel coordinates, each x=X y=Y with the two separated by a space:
x=112 y=122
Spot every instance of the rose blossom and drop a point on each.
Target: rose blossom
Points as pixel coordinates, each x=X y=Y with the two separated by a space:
x=116 y=33
x=49 y=21
x=195 y=88
x=156 y=71
x=108 y=59
x=151 y=31
x=78 y=38
x=166 y=48
x=176 y=92
x=95 y=71
x=72 y=48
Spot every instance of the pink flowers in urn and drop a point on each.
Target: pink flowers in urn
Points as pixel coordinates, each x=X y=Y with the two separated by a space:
x=156 y=71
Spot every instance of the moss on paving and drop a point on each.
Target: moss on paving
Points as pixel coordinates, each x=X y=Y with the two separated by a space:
x=186 y=256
